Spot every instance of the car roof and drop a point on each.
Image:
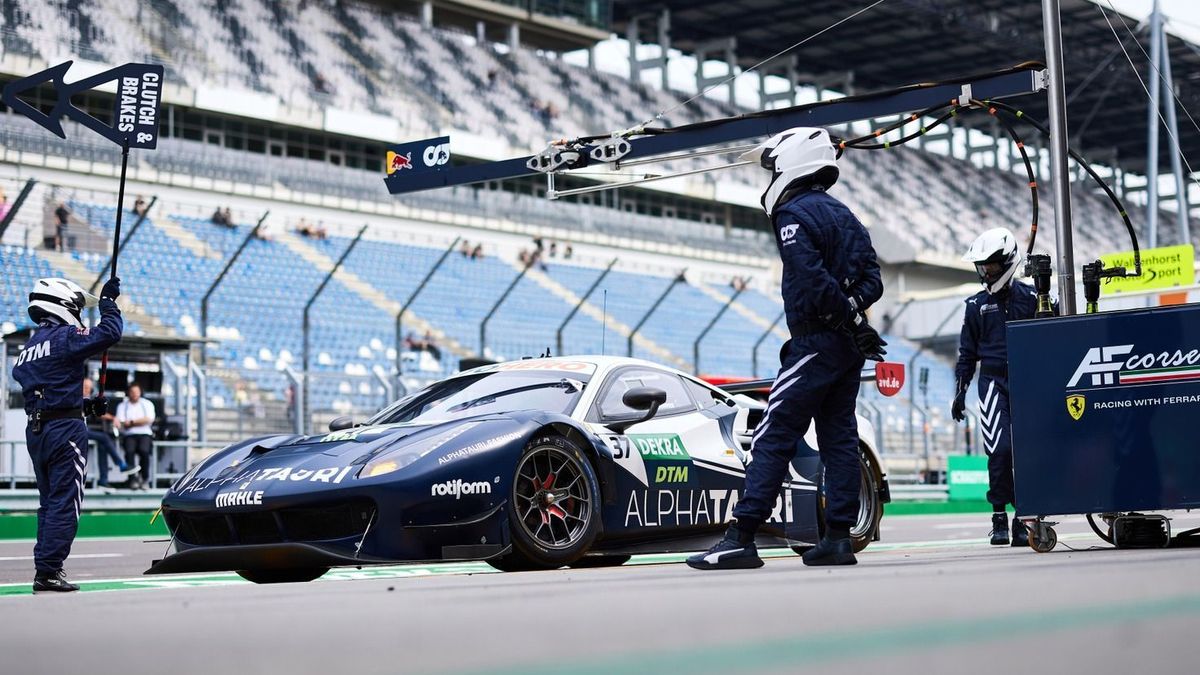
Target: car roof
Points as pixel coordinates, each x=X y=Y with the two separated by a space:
x=589 y=364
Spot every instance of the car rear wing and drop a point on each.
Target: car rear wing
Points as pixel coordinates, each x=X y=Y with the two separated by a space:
x=887 y=376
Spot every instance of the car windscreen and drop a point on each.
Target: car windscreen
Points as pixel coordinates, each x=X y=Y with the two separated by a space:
x=484 y=393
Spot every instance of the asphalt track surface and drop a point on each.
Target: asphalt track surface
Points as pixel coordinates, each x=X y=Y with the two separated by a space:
x=933 y=597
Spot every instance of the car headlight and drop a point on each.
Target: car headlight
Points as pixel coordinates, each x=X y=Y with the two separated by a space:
x=393 y=460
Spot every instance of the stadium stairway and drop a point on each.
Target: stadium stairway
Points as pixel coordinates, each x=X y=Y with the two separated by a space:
x=187 y=239
x=590 y=310
x=370 y=293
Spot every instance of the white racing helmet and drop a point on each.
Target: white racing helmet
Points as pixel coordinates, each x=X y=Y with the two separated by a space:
x=792 y=155
x=59 y=298
x=996 y=257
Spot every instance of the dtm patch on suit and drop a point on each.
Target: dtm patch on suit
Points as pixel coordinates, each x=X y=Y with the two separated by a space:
x=1104 y=411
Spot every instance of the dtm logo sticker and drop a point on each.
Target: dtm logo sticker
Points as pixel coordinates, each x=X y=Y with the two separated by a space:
x=660 y=446
x=1117 y=365
x=1076 y=405
x=458 y=488
x=671 y=474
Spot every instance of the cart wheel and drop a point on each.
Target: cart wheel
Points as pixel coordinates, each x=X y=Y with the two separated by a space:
x=1043 y=539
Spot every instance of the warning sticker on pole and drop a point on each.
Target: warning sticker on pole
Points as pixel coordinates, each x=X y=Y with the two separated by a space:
x=1165 y=267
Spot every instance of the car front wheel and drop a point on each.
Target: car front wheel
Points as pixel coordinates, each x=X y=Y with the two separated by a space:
x=553 y=511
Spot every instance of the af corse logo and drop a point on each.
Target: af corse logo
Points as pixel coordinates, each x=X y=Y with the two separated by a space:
x=1117 y=365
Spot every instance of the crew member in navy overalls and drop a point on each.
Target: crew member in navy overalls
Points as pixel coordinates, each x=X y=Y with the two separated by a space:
x=50 y=369
x=830 y=278
x=983 y=341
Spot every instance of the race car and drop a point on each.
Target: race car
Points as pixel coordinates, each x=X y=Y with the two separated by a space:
x=530 y=464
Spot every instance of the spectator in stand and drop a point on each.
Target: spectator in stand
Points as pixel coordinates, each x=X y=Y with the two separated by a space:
x=62 y=219
x=134 y=416
x=477 y=252
x=553 y=249
x=431 y=346
x=523 y=258
x=539 y=245
x=227 y=217
x=100 y=432
x=465 y=248
x=568 y=252
x=139 y=206
x=218 y=218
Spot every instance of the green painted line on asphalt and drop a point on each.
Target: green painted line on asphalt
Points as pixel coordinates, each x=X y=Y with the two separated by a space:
x=786 y=654
x=165 y=582
x=23 y=525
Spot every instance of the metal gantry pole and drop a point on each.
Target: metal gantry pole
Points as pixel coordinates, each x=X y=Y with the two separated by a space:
x=1181 y=184
x=217 y=282
x=558 y=335
x=762 y=338
x=413 y=298
x=503 y=296
x=1152 y=108
x=679 y=278
x=307 y=325
x=703 y=333
x=1059 y=173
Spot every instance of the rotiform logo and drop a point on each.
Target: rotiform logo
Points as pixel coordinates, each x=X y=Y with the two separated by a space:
x=457 y=488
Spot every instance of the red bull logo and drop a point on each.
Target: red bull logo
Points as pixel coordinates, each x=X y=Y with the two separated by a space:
x=396 y=162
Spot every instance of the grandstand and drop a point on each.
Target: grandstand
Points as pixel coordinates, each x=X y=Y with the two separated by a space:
x=285 y=107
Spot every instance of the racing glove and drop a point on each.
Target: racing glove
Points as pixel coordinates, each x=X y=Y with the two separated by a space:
x=958 y=410
x=111 y=289
x=867 y=341
x=97 y=406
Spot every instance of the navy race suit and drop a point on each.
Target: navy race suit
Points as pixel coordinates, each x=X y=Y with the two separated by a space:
x=50 y=370
x=983 y=341
x=829 y=273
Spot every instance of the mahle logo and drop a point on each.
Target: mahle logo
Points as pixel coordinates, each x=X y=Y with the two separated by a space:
x=660 y=446
x=1075 y=406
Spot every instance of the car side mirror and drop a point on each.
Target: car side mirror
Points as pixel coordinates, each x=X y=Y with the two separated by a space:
x=649 y=399
x=340 y=423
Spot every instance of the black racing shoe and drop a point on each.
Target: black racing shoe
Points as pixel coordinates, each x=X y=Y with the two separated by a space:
x=52 y=582
x=1020 y=533
x=999 y=529
x=835 y=548
x=735 y=551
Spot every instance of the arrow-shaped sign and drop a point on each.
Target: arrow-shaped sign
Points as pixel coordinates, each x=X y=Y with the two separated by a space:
x=135 y=107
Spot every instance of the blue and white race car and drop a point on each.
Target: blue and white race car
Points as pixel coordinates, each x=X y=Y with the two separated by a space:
x=532 y=464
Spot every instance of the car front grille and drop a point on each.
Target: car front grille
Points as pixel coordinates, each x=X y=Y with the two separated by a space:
x=296 y=524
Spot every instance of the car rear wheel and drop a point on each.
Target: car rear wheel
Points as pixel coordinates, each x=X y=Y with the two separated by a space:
x=287 y=576
x=870 y=508
x=553 y=511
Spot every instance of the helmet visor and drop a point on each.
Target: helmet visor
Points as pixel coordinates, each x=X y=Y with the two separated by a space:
x=990 y=272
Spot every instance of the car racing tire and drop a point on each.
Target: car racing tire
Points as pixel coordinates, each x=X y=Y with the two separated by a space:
x=870 y=510
x=590 y=561
x=288 y=576
x=551 y=529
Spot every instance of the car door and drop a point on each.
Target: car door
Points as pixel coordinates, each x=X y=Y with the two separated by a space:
x=679 y=467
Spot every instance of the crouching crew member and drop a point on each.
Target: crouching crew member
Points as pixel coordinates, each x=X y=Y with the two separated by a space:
x=51 y=369
x=983 y=342
x=830 y=278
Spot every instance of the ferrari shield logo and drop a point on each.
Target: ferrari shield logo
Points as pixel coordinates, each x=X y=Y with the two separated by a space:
x=1076 y=405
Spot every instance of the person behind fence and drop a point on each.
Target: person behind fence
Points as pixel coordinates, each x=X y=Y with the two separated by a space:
x=100 y=431
x=135 y=415
x=50 y=370
x=830 y=278
x=982 y=341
